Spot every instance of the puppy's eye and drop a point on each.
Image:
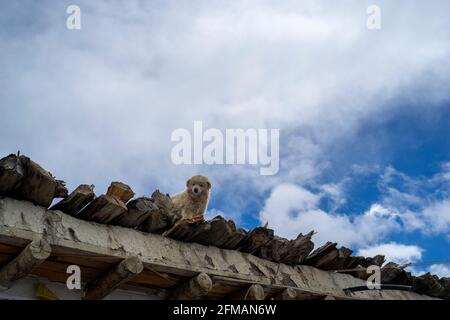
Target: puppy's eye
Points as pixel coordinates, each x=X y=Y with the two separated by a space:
x=201 y=186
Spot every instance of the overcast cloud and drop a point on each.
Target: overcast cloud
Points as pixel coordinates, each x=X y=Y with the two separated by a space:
x=100 y=104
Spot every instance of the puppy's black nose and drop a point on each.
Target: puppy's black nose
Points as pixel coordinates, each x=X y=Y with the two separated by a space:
x=196 y=190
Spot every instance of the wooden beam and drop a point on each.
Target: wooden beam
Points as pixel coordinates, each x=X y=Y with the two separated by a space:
x=11 y=174
x=163 y=216
x=120 y=191
x=215 y=232
x=138 y=210
x=287 y=251
x=195 y=288
x=77 y=200
x=120 y=274
x=254 y=292
x=287 y=294
x=255 y=239
x=32 y=256
x=429 y=284
x=103 y=209
x=323 y=256
x=38 y=185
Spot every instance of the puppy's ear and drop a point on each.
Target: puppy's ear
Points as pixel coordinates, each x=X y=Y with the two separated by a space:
x=188 y=182
x=208 y=184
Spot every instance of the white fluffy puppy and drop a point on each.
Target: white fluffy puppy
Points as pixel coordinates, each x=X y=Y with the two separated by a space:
x=193 y=201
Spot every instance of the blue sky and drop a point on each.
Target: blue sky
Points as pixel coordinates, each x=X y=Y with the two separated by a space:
x=363 y=114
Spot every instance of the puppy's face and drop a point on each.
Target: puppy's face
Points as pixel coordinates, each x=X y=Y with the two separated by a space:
x=198 y=186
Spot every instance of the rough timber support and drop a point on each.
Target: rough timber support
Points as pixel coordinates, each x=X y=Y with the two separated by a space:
x=32 y=256
x=124 y=271
x=254 y=292
x=287 y=294
x=77 y=200
x=195 y=288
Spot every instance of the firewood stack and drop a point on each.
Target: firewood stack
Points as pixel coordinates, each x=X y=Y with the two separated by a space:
x=23 y=179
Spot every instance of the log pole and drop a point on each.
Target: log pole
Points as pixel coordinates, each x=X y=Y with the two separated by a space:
x=254 y=292
x=286 y=294
x=31 y=257
x=195 y=288
x=124 y=271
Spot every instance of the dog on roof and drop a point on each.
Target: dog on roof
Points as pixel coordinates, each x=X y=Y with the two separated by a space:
x=193 y=201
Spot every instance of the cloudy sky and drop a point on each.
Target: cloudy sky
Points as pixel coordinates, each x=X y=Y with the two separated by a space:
x=363 y=114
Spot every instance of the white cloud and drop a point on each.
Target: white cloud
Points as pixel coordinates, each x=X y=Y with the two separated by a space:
x=393 y=251
x=437 y=216
x=108 y=97
x=422 y=204
x=440 y=270
x=405 y=208
x=291 y=209
x=335 y=193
